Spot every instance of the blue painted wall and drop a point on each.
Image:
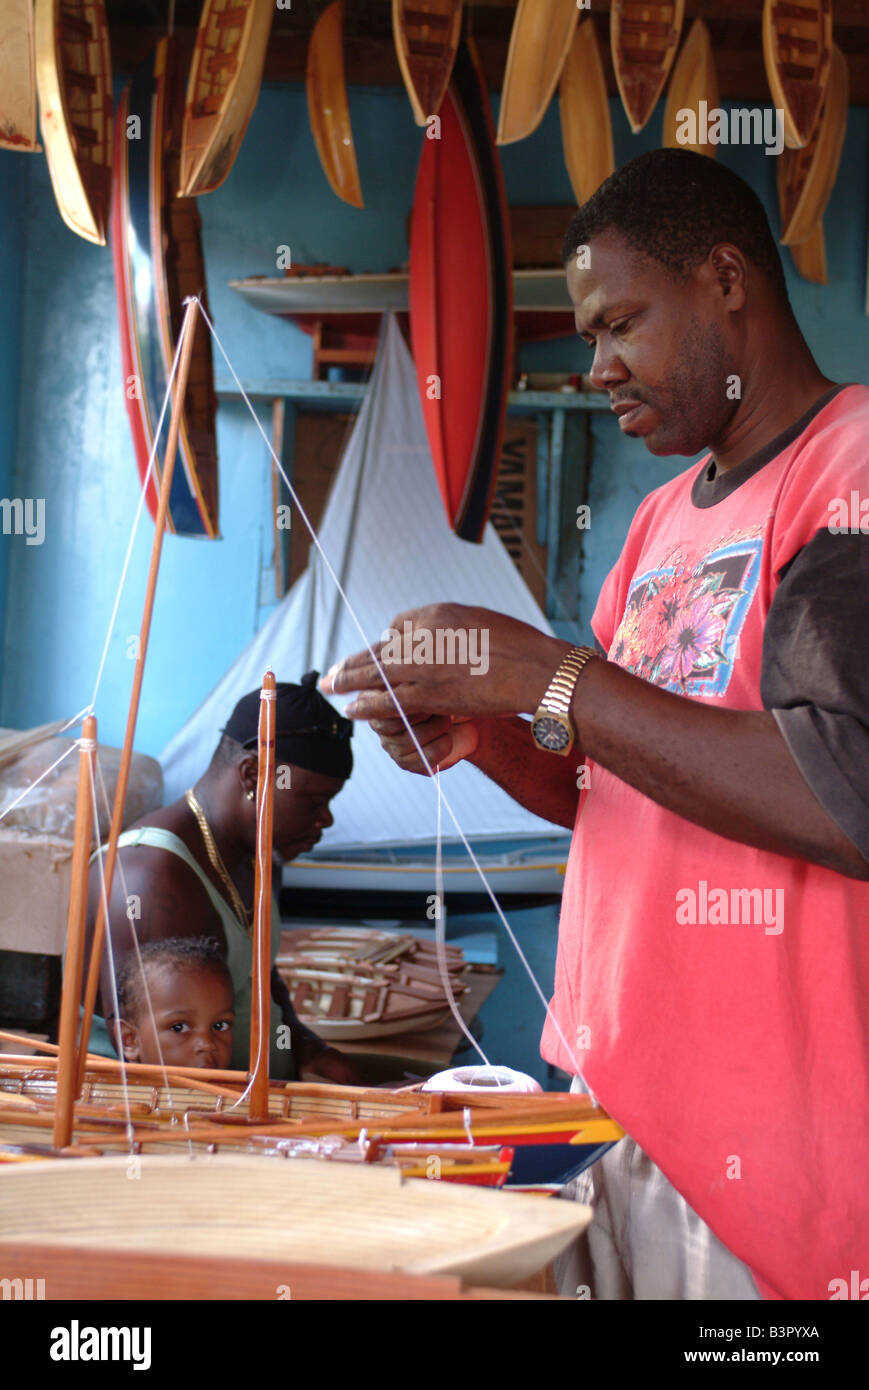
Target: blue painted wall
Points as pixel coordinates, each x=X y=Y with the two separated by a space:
x=13 y=182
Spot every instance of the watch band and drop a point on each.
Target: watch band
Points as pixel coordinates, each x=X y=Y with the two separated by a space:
x=559 y=692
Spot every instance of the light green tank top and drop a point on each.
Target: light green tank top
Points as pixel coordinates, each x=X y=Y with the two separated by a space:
x=238 y=958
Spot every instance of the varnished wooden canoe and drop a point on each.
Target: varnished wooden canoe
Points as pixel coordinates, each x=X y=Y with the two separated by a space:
x=426 y=34
x=540 y=41
x=644 y=37
x=586 y=126
x=158 y=262
x=810 y=256
x=461 y=299
x=74 y=81
x=797 y=51
x=17 y=77
x=222 y=89
x=806 y=176
x=694 y=80
x=327 y=105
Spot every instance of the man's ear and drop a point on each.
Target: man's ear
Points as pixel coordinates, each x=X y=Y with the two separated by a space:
x=127 y=1035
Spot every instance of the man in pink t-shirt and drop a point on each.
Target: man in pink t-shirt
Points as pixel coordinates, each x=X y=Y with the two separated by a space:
x=712 y=981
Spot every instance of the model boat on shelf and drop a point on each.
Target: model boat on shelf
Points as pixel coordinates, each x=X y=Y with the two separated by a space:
x=694 y=80
x=797 y=51
x=586 y=125
x=17 y=77
x=540 y=41
x=222 y=89
x=74 y=81
x=806 y=176
x=158 y=263
x=340 y=1006
x=644 y=37
x=352 y=947
x=327 y=105
x=426 y=34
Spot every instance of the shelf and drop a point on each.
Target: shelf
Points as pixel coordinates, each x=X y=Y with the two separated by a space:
x=335 y=395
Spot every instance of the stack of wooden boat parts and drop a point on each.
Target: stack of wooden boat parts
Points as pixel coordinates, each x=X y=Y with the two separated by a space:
x=222 y=89
x=426 y=34
x=74 y=80
x=806 y=178
x=694 y=80
x=349 y=983
x=17 y=77
x=797 y=51
x=328 y=109
x=586 y=124
x=644 y=37
x=540 y=41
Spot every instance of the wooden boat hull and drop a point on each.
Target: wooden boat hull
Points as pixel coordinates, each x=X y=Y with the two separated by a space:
x=426 y=34
x=644 y=37
x=17 y=77
x=222 y=89
x=586 y=124
x=694 y=80
x=74 y=81
x=367 y=1218
x=806 y=177
x=327 y=105
x=540 y=41
x=797 y=51
x=461 y=306
x=158 y=262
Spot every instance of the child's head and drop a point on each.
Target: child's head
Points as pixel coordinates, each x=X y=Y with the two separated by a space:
x=192 y=1000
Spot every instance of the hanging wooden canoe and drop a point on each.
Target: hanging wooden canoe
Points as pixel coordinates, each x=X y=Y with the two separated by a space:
x=74 y=81
x=806 y=177
x=810 y=256
x=17 y=77
x=461 y=299
x=644 y=37
x=694 y=80
x=540 y=41
x=327 y=105
x=222 y=89
x=426 y=34
x=797 y=48
x=586 y=126
x=158 y=262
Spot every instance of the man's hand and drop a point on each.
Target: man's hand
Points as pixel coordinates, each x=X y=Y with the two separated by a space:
x=444 y=740
x=454 y=660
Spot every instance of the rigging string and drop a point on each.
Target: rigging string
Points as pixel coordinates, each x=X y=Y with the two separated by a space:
x=441 y=930
x=395 y=700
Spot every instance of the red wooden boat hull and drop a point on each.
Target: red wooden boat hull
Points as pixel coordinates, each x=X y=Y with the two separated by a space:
x=461 y=298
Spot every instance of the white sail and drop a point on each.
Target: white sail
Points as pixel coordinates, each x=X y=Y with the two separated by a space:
x=386 y=536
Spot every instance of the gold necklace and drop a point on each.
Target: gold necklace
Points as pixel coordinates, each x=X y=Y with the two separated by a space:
x=214 y=855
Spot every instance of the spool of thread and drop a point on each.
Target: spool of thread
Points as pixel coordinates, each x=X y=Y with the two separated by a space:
x=483 y=1079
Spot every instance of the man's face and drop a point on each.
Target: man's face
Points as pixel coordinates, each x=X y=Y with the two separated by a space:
x=659 y=345
x=193 y=1011
x=301 y=808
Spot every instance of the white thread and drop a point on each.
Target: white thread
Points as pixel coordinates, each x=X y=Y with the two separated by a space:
x=35 y=783
x=87 y=745
x=441 y=933
x=395 y=700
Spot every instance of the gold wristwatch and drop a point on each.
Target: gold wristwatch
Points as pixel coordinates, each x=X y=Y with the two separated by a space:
x=551 y=728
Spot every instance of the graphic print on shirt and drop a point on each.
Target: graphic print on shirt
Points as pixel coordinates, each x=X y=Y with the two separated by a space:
x=682 y=621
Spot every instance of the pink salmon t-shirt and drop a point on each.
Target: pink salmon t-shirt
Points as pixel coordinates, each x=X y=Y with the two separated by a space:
x=716 y=996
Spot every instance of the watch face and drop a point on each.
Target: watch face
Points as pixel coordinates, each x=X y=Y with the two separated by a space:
x=551 y=733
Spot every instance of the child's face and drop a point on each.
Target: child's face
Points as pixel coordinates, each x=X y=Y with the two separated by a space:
x=193 y=1011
